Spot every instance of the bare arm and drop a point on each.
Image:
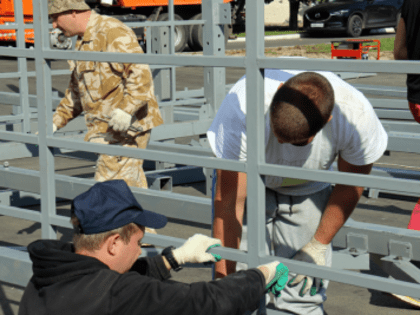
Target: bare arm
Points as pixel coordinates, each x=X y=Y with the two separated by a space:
x=341 y=204
x=229 y=205
x=400 y=44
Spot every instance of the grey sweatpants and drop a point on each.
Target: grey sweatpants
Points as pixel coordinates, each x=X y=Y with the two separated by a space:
x=291 y=221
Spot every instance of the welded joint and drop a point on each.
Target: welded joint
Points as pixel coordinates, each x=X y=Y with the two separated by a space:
x=357 y=244
x=399 y=251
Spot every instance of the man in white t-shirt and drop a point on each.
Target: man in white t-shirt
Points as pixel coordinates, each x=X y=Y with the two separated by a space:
x=311 y=118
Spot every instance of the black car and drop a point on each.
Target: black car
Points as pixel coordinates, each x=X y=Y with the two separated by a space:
x=352 y=16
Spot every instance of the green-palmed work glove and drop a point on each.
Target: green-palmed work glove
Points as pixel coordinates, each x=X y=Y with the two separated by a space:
x=195 y=250
x=276 y=275
x=313 y=252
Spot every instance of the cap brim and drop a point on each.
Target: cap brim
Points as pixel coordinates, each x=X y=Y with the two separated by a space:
x=151 y=219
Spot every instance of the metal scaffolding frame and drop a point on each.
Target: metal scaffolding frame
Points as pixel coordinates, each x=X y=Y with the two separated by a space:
x=397 y=247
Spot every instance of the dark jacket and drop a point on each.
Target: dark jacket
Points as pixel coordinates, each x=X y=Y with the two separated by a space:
x=66 y=283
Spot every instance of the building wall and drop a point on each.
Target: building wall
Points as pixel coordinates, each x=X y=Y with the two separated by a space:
x=277 y=13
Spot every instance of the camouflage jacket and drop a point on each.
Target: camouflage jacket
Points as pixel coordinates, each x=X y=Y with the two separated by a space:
x=97 y=88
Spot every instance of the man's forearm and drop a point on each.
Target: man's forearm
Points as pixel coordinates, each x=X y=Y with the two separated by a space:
x=342 y=202
x=228 y=214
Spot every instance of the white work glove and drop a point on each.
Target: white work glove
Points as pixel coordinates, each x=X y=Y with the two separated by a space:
x=120 y=121
x=276 y=275
x=54 y=129
x=313 y=252
x=195 y=249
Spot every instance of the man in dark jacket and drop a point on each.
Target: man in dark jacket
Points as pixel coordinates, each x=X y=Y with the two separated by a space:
x=100 y=273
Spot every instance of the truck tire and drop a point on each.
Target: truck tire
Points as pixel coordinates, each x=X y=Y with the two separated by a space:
x=355 y=26
x=181 y=32
x=195 y=39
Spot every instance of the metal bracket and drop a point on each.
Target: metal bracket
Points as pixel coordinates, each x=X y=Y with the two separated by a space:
x=159 y=182
x=357 y=244
x=400 y=250
x=223 y=16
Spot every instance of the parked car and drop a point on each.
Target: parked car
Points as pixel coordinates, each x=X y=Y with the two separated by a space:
x=352 y=16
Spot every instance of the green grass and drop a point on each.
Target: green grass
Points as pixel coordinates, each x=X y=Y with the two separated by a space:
x=271 y=33
x=387 y=44
x=320 y=48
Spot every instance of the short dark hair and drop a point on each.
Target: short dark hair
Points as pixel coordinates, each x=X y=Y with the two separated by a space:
x=301 y=107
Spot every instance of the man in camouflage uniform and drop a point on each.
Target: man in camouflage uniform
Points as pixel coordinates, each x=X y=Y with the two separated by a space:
x=117 y=98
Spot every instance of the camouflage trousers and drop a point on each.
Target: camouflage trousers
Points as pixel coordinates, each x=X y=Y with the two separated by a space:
x=119 y=167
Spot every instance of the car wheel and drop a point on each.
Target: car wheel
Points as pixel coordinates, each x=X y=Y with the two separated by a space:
x=398 y=20
x=354 y=26
x=181 y=32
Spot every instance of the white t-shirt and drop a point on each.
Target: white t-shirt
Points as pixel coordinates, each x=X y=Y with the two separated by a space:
x=354 y=132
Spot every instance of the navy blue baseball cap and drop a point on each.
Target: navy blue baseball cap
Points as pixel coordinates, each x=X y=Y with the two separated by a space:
x=110 y=205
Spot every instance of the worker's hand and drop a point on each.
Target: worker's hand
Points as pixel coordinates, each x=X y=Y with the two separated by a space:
x=120 y=120
x=313 y=252
x=54 y=129
x=195 y=250
x=276 y=275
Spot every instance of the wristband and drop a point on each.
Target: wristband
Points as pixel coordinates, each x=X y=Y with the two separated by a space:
x=167 y=252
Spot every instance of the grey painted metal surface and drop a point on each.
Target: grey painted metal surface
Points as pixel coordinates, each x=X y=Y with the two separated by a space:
x=356 y=239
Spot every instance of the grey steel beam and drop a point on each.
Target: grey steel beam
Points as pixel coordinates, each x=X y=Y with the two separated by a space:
x=401 y=126
x=16 y=212
x=339 y=65
x=183 y=129
x=16 y=266
x=255 y=133
x=382 y=90
x=404 y=142
x=370 y=181
x=148 y=154
x=11 y=75
x=176 y=60
x=181 y=175
x=385 y=113
x=14 y=99
x=22 y=67
x=183 y=207
x=43 y=88
x=17 y=52
x=337 y=275
x=401 y=269
x=389 y=103
x=18 y=137
x=379 y=237
x=214 y=45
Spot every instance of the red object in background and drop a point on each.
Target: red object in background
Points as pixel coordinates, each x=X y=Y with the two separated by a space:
x=7 y=16
x=415 y=218
x=354 y=48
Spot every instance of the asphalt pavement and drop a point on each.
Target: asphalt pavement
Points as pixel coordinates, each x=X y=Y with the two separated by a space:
x=391 y=210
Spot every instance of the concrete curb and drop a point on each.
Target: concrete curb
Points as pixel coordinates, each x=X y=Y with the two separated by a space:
x=387 y=30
